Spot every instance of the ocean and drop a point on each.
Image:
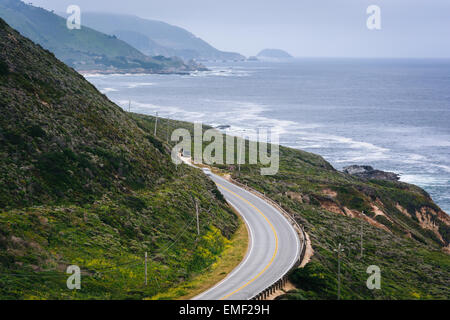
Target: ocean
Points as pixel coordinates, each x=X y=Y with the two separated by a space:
x=391 y=114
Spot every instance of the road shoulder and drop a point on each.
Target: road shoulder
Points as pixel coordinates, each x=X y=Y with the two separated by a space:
x=230 y=258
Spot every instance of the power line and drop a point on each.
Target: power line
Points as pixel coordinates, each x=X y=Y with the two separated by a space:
x=339 y=250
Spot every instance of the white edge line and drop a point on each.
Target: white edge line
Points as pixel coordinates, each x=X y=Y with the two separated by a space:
x=291 y=228
x=292 y=264
x=239 y=267
x=252 y=241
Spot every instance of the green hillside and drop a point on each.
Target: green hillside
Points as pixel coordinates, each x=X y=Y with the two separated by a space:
x=404 y=232
x=81 y=183
x=156 y=37
x=84 y=49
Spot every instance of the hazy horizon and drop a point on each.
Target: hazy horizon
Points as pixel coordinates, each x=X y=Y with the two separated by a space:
x=322 y=28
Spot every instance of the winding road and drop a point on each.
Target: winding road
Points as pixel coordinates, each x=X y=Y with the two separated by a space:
x=273 y=249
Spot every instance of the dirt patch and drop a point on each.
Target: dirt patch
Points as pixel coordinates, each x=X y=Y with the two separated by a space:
x=425 y=221
x=295 y=196
x=17 y=241
x=331 y=206
x=351 y=213
x=330 y=193
x=379 y=212
x=445 y=218
x=309 y=252
x=44 y=103
x=360 y=215
x=376 y=224
x=403 y=210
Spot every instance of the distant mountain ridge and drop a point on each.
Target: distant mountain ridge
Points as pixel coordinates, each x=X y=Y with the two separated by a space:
x=155 y=37
x=85 y=49
x=274 y=54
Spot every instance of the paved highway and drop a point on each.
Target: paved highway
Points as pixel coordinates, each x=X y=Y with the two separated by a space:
x=274 y=246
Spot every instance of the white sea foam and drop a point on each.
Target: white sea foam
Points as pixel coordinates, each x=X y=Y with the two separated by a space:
x=428 y=164
x=92 y=75
x=242 y=116
x=416 y=150
x=106 y=90
x=140 y=84
x=221 y=72
x=424 y=180
x=444 y=167
x=118 y=75
x=355 y=151
x=163 y=111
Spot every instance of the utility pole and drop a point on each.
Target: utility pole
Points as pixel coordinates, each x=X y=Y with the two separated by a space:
x=129 y=105
x=339 y=250
x=362 y=248
x=167 y=131
x=349 y=247
x=156 y=123
x=145 y=267
x=198 y=223
x=240 y=153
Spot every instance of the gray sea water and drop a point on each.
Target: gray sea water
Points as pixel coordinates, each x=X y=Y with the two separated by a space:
x=391 y=114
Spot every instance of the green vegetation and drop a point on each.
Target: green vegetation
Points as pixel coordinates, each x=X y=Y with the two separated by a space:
x=3 y=69
x=81 y=183
x=230 y=258
x=108 y=239
x=412 y=258
x=84 y=49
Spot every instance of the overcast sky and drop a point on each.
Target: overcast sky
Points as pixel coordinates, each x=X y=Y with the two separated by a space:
x=305 y=28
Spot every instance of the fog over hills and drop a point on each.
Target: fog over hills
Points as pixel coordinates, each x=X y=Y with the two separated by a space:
x=85 y=49
x=320 y=28
x=155 y=37
x=277 y=54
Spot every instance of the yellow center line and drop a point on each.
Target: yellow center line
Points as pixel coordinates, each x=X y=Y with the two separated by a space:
x=276 y=244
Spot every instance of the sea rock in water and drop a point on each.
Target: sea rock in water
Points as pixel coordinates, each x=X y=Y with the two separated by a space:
x=368 y=172
x=223 y=127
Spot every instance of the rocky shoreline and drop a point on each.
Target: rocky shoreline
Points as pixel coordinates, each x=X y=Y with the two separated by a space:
x=368 y=172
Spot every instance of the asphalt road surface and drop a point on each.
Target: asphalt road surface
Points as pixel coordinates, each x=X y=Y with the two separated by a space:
x=274 y=246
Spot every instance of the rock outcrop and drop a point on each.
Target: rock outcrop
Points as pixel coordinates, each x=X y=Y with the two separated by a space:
x=368 y=172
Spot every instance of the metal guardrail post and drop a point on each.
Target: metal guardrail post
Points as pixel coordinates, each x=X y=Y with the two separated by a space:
x=283 y=280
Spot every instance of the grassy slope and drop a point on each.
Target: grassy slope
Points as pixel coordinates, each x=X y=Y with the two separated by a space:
x=82 y=184
x=230 y=258
x=412 y=261
x=94 y=49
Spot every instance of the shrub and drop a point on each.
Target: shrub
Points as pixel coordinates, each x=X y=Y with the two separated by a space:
x=314 y=277
x=36 y=131
x=157 y=143
x=4 y=69
x=135 y=203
